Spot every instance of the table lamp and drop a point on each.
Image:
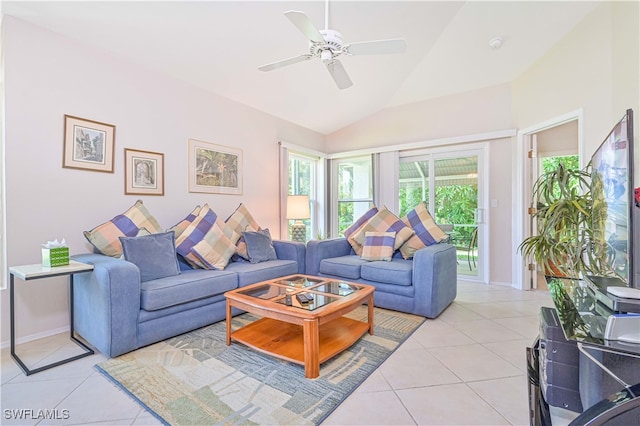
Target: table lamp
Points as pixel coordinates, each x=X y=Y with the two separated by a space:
x=298 y=210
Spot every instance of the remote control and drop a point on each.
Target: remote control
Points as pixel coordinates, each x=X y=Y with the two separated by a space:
x=303 y=298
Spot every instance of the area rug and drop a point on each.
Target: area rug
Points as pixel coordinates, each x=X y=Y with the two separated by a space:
x=196 y=379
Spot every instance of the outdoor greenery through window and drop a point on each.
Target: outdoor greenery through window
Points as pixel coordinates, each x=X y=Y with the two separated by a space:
x=571 y=162
x=302 y=182
x=355 y=189
x=453 y=184
x=455 y=187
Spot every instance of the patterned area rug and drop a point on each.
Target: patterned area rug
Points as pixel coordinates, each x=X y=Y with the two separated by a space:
x=196 y=379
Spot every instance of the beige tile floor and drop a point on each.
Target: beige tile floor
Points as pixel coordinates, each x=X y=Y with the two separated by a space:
x=465 y=367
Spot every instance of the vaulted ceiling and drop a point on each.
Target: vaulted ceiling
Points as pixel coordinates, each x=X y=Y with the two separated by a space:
x=218 y=46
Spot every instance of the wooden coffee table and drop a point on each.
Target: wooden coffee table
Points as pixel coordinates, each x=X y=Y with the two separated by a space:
x=304 y=333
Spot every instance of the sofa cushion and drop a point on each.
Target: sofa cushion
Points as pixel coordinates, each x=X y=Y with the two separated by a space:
x=343 y=266
x=385 y=221
x=239 y=222
x=106 y=237
x=193 y=234
x=397 y=271
x=186 y=287
x=426 y=231
x=251 y=273
x=378 y=246
x=351 y=231
x=179 y=227
x=259 y=246
x=154 y=255
x=215 y=249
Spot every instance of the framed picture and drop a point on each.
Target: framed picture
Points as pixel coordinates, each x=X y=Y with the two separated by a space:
x=88 y=144
x=143 y=172
x=214 y=169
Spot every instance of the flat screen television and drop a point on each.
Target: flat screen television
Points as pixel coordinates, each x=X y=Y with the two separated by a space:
x=613 y=194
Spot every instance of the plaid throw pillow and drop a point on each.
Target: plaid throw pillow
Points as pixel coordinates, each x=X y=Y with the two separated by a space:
x=106 y=237
x=426 y=231
x=239 y=222
x=215 y=249
x=378 y=246
x=351 y=231
x=193 y=234
x=385 y=221
x=179 y=228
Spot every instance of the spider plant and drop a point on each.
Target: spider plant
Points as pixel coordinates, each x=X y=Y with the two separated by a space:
x=569 y=222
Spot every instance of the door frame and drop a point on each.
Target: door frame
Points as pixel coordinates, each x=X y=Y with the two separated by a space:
x=521 y=276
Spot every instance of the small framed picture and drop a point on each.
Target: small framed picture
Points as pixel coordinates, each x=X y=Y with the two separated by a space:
x=88 y=144
x=143 y=172
x=214 y=169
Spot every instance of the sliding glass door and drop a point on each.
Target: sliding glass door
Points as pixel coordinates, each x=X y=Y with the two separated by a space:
x=449 y=184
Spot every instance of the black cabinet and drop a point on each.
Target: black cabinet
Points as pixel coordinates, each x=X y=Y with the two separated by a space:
x=559 y=364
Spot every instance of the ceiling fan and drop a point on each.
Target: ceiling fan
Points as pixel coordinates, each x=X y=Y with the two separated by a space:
x=327 y=45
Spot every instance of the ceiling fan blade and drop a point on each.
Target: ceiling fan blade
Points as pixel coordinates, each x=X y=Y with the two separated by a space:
x=377 y=47
x=304 y=24
x=339 y=74
x=285 y=62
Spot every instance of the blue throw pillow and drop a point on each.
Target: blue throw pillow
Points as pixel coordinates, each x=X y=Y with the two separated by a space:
x=154 y=255
x=259 y=246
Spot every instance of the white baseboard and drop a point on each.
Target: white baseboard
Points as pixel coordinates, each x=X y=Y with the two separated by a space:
x=501 y=284
x=32 y=337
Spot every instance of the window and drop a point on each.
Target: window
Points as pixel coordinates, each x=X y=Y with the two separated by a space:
x=302 y=181
x=354 y=189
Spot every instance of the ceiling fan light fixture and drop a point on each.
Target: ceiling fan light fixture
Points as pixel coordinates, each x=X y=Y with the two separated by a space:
x=328 y=45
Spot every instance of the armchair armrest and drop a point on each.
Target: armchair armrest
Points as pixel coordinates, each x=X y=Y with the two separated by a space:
x=317 y=250
x=291 y=250
x=107 y=303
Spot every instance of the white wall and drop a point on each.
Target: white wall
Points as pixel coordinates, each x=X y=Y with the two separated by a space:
x=595 y=67
x=48 y=76
x=468 y=113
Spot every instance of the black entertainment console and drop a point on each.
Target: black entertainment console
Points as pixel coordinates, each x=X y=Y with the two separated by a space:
x=572 y=366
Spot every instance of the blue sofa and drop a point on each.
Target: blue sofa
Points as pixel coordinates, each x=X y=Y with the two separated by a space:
x=116 y=313
x=424 y=285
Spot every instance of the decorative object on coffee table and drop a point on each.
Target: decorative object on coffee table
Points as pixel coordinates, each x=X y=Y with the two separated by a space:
x=88 y=144
x=298 y=210
x=143 y=172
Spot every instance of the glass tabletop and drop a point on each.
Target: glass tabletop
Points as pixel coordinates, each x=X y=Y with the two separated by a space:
x=317 y=301
x=582 y=316
x=266 y=291
x=299 y=281
x=319 y=291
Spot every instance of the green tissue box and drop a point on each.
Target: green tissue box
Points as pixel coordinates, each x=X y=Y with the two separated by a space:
x=55 y=256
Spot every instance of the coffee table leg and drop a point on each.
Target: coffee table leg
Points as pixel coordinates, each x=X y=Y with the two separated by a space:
x=370 y=314
x=228 y=323
x=311 y=338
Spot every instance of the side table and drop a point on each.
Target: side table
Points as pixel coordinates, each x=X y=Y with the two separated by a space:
x=34 y=272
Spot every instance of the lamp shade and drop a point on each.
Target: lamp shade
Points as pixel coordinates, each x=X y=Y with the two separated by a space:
x=298 y=207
